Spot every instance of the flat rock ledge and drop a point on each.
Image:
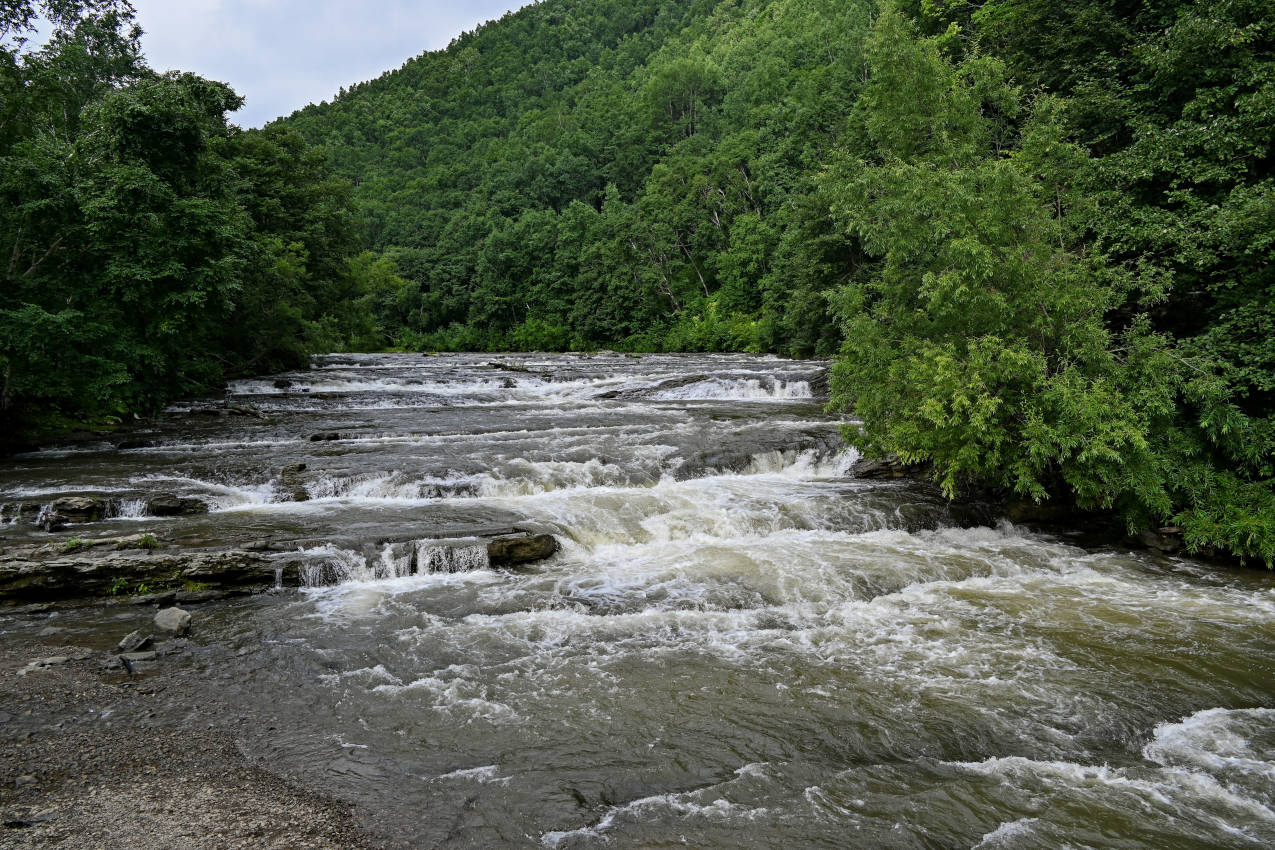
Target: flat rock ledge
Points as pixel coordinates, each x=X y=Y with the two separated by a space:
x=141 y=576
x=889 y=469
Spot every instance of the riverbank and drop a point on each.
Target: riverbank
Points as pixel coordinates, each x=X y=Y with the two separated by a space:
x=86 y=763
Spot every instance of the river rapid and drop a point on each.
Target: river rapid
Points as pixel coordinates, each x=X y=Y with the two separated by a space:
x=739 y=645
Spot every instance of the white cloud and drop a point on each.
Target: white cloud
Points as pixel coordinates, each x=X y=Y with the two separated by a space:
x=283 y=54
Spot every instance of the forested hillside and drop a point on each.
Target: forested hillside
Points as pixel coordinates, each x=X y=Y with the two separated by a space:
x=1037 y=232
x=636 y=173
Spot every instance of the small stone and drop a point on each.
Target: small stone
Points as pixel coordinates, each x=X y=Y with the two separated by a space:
x=42 y=663
x=134 y=641
x=173 y=620
x=50 y=631
x=134 y=657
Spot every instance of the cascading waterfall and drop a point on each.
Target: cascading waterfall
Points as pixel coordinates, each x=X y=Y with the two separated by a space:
x=330 y=565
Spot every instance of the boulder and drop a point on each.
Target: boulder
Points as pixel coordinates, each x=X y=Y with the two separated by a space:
x=166 y=504
x=134 y=641
x=282 y=384
x=521 y=549
x=173 y=620
x=79 y=508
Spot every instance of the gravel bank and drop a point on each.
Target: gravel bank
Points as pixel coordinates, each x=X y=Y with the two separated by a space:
x=84 y=764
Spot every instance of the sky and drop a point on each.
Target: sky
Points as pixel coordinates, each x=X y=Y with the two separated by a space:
x=283 y=54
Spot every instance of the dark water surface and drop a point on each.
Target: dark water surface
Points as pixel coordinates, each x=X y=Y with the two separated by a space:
x=738 y=646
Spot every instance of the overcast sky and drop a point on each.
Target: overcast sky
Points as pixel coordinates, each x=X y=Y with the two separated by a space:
x=284 y=54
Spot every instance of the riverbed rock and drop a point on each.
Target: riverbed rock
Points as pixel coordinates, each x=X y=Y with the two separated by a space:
x=19 y=512
x=1167 y=540
x=290 y=482
x=96 y=572
x=886 y=469
x=521 y=549
x=820 y=384
x=174 y=620
x=508 y=367
x=166 y=504
x=52 y=521
x=197 y=596
x=133 y=641
x=43 y=663
x=79 y=509
x=121 y=542
x=134 y=657
x=282 y=384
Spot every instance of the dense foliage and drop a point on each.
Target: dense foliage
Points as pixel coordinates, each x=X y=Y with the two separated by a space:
x=1038 y=232
x=149 y=248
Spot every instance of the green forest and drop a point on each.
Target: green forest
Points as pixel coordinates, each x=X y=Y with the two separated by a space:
x=1035 y=235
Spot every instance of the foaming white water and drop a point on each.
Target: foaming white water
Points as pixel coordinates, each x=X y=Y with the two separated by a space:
x=219 y=497
x=774 y=494
x=647 y=469
x=329 y=564
x=1008 y=835
x=484 y=774
x=1168 y=792
x=688 y=807
x=741 y=389
x=1218 y=740
x=805 y=465
x=128 y=508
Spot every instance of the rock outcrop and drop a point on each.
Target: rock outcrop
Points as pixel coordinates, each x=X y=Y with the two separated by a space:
x=869 y=469
x=111 y=573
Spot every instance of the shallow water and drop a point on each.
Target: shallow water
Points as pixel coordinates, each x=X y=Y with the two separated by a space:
x=738 y=645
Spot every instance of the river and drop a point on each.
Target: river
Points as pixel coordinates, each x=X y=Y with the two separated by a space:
x=739 y=645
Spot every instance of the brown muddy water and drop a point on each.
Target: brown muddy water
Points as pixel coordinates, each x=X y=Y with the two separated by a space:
x=738 y=646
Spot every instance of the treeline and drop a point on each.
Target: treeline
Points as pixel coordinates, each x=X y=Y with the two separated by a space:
x=1038 y=233
x=148 y=249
